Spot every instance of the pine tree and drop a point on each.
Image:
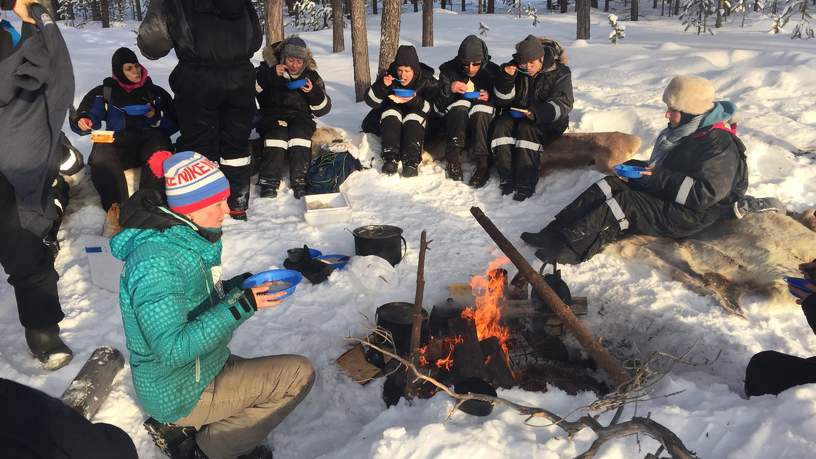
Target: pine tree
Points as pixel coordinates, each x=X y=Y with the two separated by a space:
x=695 y=15
x=311 y=16
x=799 y=9
x=618 y=31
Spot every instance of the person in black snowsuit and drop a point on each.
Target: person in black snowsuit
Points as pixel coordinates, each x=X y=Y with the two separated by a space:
x=696 y=173
x=142 y=117
x=36 y=89
x=286 y=114
x=771 y=372
x=537 y=85
x=214 y=81
x=35 y=425
x=400 y=121
x=467 y=119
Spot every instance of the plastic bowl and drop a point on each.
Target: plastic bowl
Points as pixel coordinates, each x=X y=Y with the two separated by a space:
x=797 y=282
x=632 y=172
x=296 y=84
x=286 y=280
x=400 y=92
x=517 y=114
x=471 y=95
x=336 y=261
x=136 y=110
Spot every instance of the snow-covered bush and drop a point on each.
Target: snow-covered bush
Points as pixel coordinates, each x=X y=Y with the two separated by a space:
x=618 y=31
x=310 y=15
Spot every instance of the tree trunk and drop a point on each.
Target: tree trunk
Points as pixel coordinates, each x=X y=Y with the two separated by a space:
x=359 y=49
x=290 y=7
x=563 y=4
x=374 y=6
x=104 y=11
x=442 y=4
x=582 y=7
x=463 y=5
x=96 y=12
x=389 y=32
x=633 y=12
x=137 y=4
x=718 y=22
x=676 y=7
x=606 y=6
x=274 y=21
x=654 y=5
x=491 y=6
x=338 y=44
x=416 y=5
x=427 y=23
x=594 y=3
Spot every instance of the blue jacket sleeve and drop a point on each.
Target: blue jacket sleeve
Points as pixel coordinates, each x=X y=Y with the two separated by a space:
x=93 y=107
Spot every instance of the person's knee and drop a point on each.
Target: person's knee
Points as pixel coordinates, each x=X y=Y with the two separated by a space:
x=305 y=372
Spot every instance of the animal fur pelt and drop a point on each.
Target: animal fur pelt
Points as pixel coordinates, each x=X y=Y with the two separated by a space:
x=271 y=54
x=572 y=150
x=323 y=135
x=730 y=259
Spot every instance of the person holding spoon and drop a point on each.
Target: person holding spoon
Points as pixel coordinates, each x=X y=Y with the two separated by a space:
x=179 y=317
x=401 y=99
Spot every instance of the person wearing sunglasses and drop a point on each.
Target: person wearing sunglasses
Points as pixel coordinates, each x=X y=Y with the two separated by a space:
x=537 y=86
x=466 y=99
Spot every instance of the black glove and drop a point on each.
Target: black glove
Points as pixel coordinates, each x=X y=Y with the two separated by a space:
x=235 y=282
x=314 y=270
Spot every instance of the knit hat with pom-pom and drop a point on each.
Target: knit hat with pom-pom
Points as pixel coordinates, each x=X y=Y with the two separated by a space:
x=192 y=182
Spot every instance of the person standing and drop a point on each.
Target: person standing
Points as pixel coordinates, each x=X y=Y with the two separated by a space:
x=214 y=81
x=36 y=89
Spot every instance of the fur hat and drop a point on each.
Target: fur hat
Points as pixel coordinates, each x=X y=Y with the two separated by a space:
x=689 y=94
x=295 y=47
x=192 y=181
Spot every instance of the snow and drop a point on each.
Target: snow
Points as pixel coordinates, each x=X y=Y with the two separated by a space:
x=635 y=309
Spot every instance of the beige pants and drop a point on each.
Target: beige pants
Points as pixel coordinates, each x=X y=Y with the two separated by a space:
x=246 y=401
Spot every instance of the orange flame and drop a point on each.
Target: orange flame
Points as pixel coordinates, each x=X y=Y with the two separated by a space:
x=447 y=362
x=489 y=290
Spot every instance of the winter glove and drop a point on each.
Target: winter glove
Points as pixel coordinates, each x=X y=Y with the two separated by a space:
x=235 y=282
x=314 y=270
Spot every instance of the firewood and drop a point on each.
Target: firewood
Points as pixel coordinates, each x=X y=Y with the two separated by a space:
x=94 y=381
x=498 y=368
x=469 y=361
x=416 y=330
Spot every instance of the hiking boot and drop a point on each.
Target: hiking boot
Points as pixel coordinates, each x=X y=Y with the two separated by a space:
x=112 y=227
x=506 y=188
x=48 y=347
x=410 y=170
x=268 y=191
x=260 y=452
x=176 y=442
x=521 y=195
x=480 y=176
x=299 y=192
x=749 y=204
x=239 y=215
x=562 y=254
x=454 y=171
x=389 y=167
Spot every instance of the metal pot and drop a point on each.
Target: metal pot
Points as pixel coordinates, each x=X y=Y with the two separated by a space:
x=380 y=240
x=398 y=318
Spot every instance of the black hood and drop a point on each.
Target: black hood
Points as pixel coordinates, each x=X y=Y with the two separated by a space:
x=472 y=49
x=121 y=57
x=142 y=210
x=230 y=9
x=407 y=56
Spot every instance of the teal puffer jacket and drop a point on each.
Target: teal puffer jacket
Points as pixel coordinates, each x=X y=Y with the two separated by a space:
x=177 y=325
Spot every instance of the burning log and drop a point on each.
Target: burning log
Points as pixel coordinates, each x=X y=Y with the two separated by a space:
x=498 y=368
x=469 y=362
x=612 y=367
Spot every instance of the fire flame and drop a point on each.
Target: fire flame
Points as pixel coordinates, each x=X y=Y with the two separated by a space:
x=446 y=363
x=489 y=290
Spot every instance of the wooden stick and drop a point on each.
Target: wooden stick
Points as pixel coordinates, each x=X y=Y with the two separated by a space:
x=612 y=367
x=416 y=330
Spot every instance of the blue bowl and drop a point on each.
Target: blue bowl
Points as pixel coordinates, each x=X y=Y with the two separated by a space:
x=286 y=279
x=136 y=110
x=517 y=114
x=797 y=282
x=296 y=84
x=632 y=172
x=336 y=261
x=471 y=95
x=400 y=92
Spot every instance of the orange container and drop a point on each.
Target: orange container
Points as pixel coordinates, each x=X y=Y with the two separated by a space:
x=102 y=136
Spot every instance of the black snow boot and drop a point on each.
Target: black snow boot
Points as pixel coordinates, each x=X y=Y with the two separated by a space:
x=454 y=171
x=260 y=452
x=547 y=237
x=389 y=167
x=749 y=205
x=521 y=195
x=480 y=175
x=48 y=347
x=410 y=170
x=268 y=187
x=238 y=200
x=506 y=187
x=176 y=442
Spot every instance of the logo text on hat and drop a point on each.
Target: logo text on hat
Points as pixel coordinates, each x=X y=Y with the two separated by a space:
x=190 y=173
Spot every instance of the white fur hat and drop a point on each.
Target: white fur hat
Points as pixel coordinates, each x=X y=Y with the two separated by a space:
x=689 y=94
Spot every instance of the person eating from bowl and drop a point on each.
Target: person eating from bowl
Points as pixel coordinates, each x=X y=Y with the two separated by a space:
x=290 y=94
x=401 y=99
x=179 y=317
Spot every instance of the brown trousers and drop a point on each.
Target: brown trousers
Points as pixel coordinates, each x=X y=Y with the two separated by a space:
x=248 y=399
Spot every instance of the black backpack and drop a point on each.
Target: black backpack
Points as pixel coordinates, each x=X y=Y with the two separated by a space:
x=329 y=170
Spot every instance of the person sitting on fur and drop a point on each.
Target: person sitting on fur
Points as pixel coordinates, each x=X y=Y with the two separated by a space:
x=697 y=171
x=400 y=120
x=467 y=118
x=142 y=117
x=287 y=112
x=179 y=317
x=771 y=372
x=535 y=89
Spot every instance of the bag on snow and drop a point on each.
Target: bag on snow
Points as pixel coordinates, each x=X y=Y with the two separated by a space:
x=329 y=170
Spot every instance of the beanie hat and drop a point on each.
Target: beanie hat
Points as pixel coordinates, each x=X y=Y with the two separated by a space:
x=192 y=182
x=407 y=57
x=529 y=50
x=121 y=57
x=689 y=94
x=472 y=49
x=295 y=47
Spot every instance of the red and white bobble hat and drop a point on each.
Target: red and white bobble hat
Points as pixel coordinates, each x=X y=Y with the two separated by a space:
x=192 y=182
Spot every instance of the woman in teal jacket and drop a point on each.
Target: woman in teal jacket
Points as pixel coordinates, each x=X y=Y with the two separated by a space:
x=179 y=317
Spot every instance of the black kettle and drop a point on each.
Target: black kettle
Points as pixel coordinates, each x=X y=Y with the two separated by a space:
x=558 y=285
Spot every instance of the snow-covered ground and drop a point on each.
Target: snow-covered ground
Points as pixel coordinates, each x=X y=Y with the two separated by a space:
x=634 y=308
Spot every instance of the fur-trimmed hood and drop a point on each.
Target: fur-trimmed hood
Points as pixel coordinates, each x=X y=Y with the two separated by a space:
x=272 y=54
x=560 y=51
